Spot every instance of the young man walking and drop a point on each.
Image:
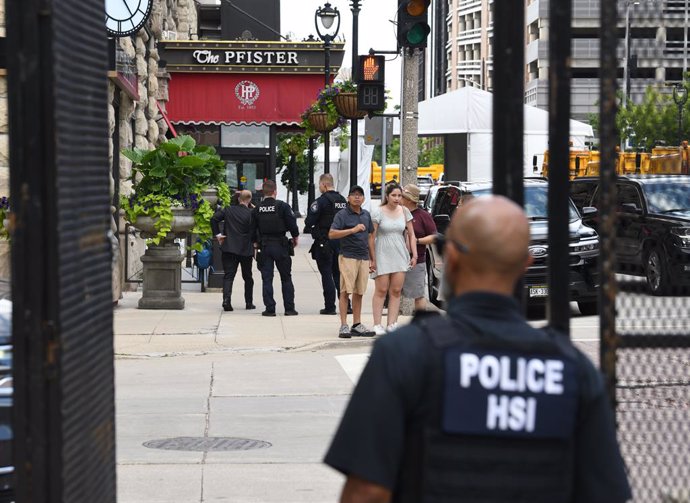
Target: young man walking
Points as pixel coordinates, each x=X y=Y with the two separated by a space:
x=352 y=226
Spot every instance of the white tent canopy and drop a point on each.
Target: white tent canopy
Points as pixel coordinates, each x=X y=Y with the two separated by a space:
x=470 y=111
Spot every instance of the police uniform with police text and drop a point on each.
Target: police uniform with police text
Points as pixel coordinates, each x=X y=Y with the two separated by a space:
x=273 y=219
x=324 y=251
x=480 y=406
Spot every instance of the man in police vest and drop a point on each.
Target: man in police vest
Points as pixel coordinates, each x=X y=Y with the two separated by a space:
x=478 y=405
x=325 y=251
x=272 y=219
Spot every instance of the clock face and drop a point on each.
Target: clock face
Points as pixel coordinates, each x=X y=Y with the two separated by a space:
x=125 y=17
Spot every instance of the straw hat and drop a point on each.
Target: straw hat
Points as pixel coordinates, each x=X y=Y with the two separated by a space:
x=411 y=192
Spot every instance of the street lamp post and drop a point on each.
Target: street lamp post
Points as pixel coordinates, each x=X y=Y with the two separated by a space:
x=354 y=123
x=680 y=97
x=626 y=61
x=326 y=17
x=293 y=174
x=312 y=189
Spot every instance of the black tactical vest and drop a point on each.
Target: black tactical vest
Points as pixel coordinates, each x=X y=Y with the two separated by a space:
x=269 y=219
x=468 y=451
x=336 y=202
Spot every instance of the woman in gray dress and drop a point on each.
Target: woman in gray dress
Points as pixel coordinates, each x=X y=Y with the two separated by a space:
x=392 y=255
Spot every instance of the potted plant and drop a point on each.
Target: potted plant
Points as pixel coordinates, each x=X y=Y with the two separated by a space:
x=345 y=100
x=323 y=115
x=169 y=182
x=4 y=217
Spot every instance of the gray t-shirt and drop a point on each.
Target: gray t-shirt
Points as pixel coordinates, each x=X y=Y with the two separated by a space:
x=355 y=245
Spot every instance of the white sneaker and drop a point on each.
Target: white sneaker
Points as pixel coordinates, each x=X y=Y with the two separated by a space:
x=379 y=330
x=392 y=327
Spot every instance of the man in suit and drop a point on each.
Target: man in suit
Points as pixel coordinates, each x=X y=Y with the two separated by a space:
x=237 y=251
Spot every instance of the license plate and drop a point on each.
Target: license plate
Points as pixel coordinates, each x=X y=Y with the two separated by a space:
x=538 y=291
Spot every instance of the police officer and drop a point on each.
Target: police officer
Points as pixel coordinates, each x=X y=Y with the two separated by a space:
x=325 y=251
x=478 y=405
x=273 y=219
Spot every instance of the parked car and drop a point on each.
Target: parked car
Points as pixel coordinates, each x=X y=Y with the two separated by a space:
x=6 y=468
x=424 y=183
x=433 y=191
x=653 y=227
x=584 y=244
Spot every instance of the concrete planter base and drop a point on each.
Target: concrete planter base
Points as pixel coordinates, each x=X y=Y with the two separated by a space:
x=162 y=286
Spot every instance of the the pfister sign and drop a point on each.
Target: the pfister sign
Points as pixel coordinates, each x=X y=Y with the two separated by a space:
x=240 y=56
x=209 y=57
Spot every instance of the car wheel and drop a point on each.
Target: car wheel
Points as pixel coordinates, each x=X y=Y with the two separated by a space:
x=656 y=272
x=588 y=308
x=431 y=283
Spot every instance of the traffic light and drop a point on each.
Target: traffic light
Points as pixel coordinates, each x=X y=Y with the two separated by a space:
x=413 y=23
x=371 y=79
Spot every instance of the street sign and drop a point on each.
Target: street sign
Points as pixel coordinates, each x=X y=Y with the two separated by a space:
x=373 y=130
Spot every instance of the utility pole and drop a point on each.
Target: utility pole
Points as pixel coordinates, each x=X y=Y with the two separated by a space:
x=409 y=117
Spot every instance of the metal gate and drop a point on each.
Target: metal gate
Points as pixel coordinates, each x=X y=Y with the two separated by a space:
x=644 y=302
x=64 y=431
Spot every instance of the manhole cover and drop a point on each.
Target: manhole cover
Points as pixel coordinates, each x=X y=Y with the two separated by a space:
x=206 y=444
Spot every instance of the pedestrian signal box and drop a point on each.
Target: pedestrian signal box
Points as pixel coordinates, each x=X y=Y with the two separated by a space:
x=413 y=23
x=371 y=93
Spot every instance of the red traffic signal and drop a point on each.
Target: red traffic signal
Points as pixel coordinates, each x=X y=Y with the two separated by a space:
x=372 y=69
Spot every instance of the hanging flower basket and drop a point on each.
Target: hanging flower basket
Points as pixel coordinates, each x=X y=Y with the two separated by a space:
x=346 y=104
x=319 y=121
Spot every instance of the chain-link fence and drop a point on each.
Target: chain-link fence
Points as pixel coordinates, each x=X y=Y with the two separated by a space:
x=645 y=219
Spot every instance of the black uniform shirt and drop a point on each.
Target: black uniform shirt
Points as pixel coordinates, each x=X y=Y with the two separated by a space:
x=284 y=213
x=390 y=396
x=320 y=206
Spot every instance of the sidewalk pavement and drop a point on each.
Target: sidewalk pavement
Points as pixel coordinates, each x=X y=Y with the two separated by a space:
x=203 y=327
x=201 y=374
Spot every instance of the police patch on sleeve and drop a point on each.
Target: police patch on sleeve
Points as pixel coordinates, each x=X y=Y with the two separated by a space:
x=509 y=394
x=314 y=207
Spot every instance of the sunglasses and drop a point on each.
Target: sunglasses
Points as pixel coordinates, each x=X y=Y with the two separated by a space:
x=441 y=241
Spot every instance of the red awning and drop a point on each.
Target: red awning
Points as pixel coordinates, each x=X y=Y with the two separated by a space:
x=211 y=98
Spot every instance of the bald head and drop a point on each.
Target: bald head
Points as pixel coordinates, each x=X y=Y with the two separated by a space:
x=496 y=233
x=245 y=196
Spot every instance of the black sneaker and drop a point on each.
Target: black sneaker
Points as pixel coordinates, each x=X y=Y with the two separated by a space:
x=359 y=330
x=291 y=312
x=227 y=306
x=268 y=313
x=250 y=306
x=328 y=311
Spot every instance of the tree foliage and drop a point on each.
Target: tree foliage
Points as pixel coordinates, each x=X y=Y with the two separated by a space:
x=293 y=145
x=651 y=122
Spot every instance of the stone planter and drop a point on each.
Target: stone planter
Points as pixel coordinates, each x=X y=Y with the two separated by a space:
x=319 y=121
x=183 y=221
x=162 y=285
x=211 y=195
x=346 y=104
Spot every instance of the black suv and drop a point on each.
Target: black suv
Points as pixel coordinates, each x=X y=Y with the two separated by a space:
x=653 y=229
x=584 y=244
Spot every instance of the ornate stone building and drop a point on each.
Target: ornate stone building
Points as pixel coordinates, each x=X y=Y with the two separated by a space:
x=138 y=91
x=137 y=88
